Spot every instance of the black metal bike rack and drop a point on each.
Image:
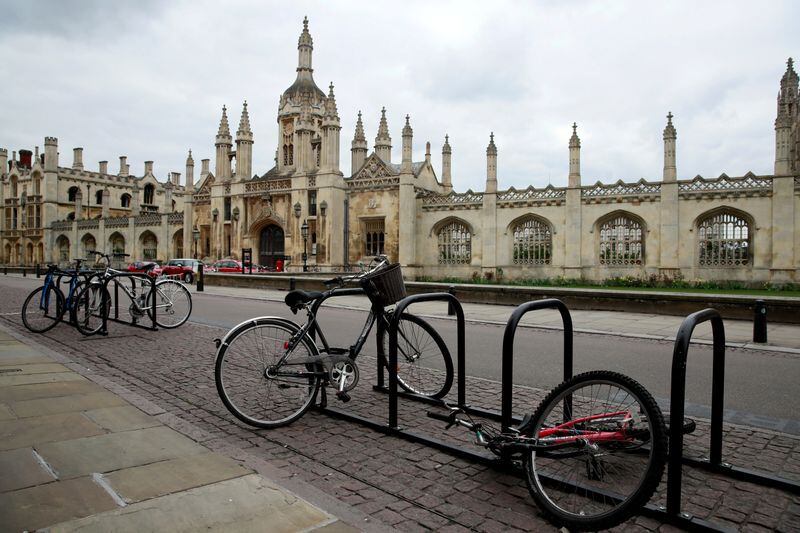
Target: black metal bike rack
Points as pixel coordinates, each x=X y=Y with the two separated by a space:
x=133 y=276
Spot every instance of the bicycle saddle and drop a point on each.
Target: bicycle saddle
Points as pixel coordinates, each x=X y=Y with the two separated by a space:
x=297 y=297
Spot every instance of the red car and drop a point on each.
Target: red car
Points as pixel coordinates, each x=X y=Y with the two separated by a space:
x=144 y=266
x=183 y=269
x=227 y=265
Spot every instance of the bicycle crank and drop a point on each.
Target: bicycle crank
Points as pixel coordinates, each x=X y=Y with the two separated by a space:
x=344 y=376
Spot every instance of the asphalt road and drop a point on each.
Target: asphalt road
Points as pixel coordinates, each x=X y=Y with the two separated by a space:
x=762 y=388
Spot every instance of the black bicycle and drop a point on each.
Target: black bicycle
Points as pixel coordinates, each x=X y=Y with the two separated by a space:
x=46 y=306
x=268 y=369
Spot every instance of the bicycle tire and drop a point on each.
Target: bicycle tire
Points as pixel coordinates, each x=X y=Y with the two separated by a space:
x=173 y=296
x=605 y=468
x=92 y=306
x=37 y=319
x=412 y=346
x=240 y=373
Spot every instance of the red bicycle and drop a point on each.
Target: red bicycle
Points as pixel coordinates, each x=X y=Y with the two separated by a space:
x=593 y=452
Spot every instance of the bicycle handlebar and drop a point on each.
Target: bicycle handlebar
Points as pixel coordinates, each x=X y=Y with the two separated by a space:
x=339 y=281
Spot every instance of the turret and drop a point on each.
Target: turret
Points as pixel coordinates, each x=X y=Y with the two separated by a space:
x=50 y=154
x=358 y=150
x=331 y=129
x=670 y=168
x=491 y=165
x=447 y=153
x=189 y=172
x=223 y=145
x=408 y=135
x=787 y=114
x=3 y=162
x=574 y=158
x=244 y=146
x=383 y=142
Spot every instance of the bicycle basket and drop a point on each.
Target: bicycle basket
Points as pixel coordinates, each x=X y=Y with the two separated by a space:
x=387 y=284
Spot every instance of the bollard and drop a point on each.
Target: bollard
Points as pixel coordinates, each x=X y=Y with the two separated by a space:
x=292 y=282
x=38 y=271
x=200 y=279
x=5 y=271
x=760 y=322
x=24 y=272
x=451 y=311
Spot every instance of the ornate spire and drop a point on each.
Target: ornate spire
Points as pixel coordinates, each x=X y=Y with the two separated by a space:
x=790 y=75
x=244 y=122
x=383 y=127
x=189 y=160
x=331 y=109
x=669 y=130
x=383 y=142
x=224 y=129
x=574 y=141
x=407 y=131
x=305 y=36
x=446 y=147
x=359 y=136
x=491 y=149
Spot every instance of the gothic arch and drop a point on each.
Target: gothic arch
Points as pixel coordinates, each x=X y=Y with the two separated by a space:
x=62 y=247
x=148 y=244
x=72 y=193
x=116 y=243
x=448 y=220
x=531 y=240
x=178 y=244
x=453 y=241
x=621 y=238
x=525 y=218
x=724 y=238
x=725 y=209
x=88 y=244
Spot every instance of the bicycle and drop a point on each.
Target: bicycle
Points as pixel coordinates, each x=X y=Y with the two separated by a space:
x=173 y=302
x=268 y=370
x=593 y=452
x=43 y=312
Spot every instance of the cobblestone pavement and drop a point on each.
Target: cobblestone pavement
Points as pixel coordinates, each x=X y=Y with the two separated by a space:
x=405 y=485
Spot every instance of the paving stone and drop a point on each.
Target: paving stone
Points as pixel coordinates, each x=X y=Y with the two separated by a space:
x=5 y=413
x=25 y=379
x=43 y=429
x=25 y=358
x=47 y=390
x=105 y=453
x=243 y=504
x=124 y=418
x=41 y=506
x=33 y=368
x=65 y=404
x=165 y=477
x=21 y=469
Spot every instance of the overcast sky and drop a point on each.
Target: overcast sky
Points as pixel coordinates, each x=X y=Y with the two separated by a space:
x=147 y=79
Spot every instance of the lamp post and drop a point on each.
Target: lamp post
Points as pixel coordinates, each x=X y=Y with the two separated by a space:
x=304 y=233
x=196 y=235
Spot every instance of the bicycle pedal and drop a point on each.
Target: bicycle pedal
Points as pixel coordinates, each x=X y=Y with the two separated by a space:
x=342 y=395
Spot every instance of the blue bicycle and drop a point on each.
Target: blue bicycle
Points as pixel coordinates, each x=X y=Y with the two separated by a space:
x=46 y=306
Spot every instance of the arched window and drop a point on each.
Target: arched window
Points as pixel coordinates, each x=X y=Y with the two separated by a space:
x=125 y=200
x=455 y=244
x=14 y=188
x=117 y=243
x=149 y=246
x=71 y=215
x=724 y=240
x=533 y=242
x=149 y=194
x=291 y=154
x=374 y=237
x=62 y=246
x=98 y=197
x=72 y=193
x=621 y=241
x=89 y=245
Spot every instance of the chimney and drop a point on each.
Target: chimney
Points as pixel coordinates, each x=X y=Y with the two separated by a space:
x=77 y=158
x=123 y=165
x=204 y=169
x=103 y=167
x=148 y=167
x=428 y=152
x=176 y=178
x=25 y=158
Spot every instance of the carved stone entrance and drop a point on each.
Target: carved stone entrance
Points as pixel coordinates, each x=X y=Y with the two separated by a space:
x=270 y=245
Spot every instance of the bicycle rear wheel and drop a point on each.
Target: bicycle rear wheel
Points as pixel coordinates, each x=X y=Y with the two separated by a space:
x=424 y=365
x=91 y=308
x=42 y=309
x=173 y=303
x=252 y=385
x=619 y=455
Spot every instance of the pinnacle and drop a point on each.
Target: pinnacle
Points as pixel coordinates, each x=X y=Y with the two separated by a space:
x=407 y=131
x=383 y=127
x=359 y=136
x=244 y=122
x=491 y=149
x=189 y=159
x=224 y=129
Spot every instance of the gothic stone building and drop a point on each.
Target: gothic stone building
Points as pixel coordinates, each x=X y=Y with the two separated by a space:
x=742 y=228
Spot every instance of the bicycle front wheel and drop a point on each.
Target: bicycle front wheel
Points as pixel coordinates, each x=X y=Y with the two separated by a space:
x=618 y=457
x=42 y=309
x=173 y=303
x=91 y=309
x=424 y=365
x=258 y=381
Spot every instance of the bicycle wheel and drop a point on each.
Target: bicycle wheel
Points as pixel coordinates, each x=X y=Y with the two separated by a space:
x=619 y=457
x=253 y=387
x=43 y=310
x=173 y=303
x=91 y=308
x=424 y=365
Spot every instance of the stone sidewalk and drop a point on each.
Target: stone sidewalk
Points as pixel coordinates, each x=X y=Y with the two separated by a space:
x=738 y=333
x=75 y=456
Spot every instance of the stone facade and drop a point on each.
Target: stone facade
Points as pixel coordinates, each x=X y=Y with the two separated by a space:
x=743 y=228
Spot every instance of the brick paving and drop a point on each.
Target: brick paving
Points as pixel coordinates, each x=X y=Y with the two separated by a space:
x=405 y=485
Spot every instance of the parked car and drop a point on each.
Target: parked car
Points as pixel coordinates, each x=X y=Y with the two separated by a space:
x=227 y=265
x=144 y=266
x=184 y=269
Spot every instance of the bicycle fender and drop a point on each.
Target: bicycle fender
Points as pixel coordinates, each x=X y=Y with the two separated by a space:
x=251 y=321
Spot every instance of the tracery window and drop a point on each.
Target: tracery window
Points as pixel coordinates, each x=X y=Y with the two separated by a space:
x=374 y=237
x=621 y=242
x=149 y=247
x=533 y=243
x=724 y=240
x=455 y=244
